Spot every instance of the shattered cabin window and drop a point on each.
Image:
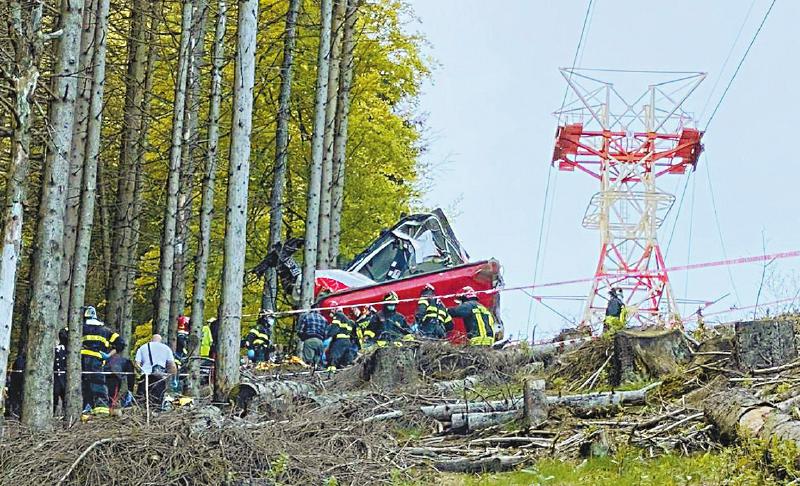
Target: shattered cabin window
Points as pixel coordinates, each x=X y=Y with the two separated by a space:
x=390 y=263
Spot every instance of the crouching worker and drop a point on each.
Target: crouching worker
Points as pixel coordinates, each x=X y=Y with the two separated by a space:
x=157 y=363
x=389 y=325
x=257 y=341
x=342 y=334
x=313 y=329
x=98 y=345
x=478 y=320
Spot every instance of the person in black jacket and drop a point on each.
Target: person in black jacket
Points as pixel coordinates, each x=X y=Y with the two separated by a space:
x=388 y=325
x=60 y=371
x=99 y=344
x=478 y=320
x=16 y=386
x=431 y=317
x=615 y=311
x=342 y=332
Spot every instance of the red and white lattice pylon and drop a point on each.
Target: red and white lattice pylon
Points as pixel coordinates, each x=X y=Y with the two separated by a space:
x=628 y=146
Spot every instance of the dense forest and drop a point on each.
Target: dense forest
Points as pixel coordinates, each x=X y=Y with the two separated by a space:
x=153 y=151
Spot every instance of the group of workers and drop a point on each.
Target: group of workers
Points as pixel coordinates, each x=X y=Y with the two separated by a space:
x=337 y=339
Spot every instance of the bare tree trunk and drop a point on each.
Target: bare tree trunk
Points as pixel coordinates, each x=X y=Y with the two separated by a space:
x=45 y=293
x=207 y=201
x=24 y=77
x=340 y=140
x=89 y=190
x=164 y=288
x=188 y=157
x=317 y=153
x=105 y=218
x=74 y=400
x=324 y=229
x=270 y=293
x=77 y=153
x=236 y=209
x=132 y=250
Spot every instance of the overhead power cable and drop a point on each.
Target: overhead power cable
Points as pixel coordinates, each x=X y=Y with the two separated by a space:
x=584 y=28
x=739 y=66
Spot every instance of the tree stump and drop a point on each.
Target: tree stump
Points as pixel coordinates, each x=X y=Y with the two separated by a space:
x=391 y=367
x=647 y=354
x=764 y=344
x=534 y=403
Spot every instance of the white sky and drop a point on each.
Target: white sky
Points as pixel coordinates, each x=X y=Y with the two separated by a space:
x=490 y=105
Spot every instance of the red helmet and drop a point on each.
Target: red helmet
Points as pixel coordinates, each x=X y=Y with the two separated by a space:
x=469 y=293
x=333 y=305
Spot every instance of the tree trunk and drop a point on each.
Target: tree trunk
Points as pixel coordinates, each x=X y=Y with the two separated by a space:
x=77 y=153
x=105 y=219
x=86 y=217
x=132 y=120
x=74 y=400
x=340 y=139
x=167 y=257
x=46 y=273
x=324 y=230
x=227 y=371
x=647 y=354
x=188 y=157
x=207 y=199
x=737 y=412
x=317 y=154
x=26 y=35
x=130 y=263
x=269 y=295
x=764 y=344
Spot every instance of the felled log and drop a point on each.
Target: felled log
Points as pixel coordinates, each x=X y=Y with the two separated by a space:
x=764 y=344
x=584 y=401
x=647 y=354
x=546 y=349
x=604 y=399
x=384 y=416
x=452 y=386
x=275 y=395
x=479 y=465
x=391 y=367
x=736 y=411
x=470 y=422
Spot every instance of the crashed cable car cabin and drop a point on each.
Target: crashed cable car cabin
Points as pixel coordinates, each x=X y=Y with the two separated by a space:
x=420 y=249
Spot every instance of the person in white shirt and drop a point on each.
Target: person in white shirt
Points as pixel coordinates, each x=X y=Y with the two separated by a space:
x=155 y=359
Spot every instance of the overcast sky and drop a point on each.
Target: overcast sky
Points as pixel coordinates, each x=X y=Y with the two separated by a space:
x=490 y=103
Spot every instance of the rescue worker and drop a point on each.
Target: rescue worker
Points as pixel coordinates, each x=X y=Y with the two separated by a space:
x=365 y=335
x=207 y=340
x=183 y=335
x=616 y=315
x=99 y=344
x=388 y=325
x=122 y=371
x=478 y=320
x=431 y=317
x=60 y=371
x=341 y=332
x=257 y=341
x=313 y=329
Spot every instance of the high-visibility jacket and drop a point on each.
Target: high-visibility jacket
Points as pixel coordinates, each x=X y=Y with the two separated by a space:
x=98 y=340
x=363 y=332
x=205 y=342
x=342 y=328
x=432 y=317
x=478 y=322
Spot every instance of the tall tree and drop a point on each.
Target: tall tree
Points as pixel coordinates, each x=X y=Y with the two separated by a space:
x=324 y=230
x=77 y=159
x=45 y=293
x=270 y=293
x=341 y=124
x=22 y=76
x=89 y=188
x=236 y=208
x=317 y=154
x=132 y=120
x=167 y=257
x=207 y=198
x=77 y=152
x=188 y=162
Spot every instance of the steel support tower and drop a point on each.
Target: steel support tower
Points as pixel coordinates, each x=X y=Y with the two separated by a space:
x=627 y=144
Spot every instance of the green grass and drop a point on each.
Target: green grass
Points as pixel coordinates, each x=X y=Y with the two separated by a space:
x=752 y=463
